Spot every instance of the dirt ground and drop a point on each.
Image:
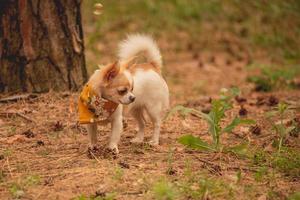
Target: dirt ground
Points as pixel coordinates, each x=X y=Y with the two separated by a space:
x=44 y=154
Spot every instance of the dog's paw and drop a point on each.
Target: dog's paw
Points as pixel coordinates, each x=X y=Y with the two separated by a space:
x=113 y=148
x=153 y=142
x=137 y=140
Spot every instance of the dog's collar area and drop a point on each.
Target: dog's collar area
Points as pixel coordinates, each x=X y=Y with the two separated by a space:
x=104 y=99
x=94 y=108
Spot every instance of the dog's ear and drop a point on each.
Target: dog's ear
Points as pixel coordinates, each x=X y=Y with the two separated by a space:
x=111 y=71
x=129 y=62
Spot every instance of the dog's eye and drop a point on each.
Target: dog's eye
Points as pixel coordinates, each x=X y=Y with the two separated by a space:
x=122 y=91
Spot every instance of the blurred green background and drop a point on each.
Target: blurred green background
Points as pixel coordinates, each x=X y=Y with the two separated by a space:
x=261 y=28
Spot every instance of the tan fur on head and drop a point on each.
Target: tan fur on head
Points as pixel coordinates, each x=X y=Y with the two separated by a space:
x=113 y=83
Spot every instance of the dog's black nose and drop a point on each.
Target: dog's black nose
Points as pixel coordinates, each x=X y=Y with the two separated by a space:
x=132 y=98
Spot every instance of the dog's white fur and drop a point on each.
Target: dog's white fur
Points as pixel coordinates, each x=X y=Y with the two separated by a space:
x=149 y=88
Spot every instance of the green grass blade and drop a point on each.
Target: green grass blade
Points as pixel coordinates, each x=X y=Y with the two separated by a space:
x=235 y=122
x=195 y=143
x=240 y=149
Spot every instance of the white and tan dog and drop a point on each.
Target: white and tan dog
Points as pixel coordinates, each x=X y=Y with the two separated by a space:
x=140 y=86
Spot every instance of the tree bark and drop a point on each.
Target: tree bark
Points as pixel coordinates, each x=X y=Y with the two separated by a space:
x=41 y=46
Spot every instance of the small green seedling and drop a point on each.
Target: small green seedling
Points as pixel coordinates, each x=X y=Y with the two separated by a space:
x=213 y=118
x=118 y=173
x=170 y=161
x=16 y=191
x=202 y=187
x=287 y=162
x=261 y=172
x=164 y=190
x=280 y=128
x=294 y=196
x=271 y=78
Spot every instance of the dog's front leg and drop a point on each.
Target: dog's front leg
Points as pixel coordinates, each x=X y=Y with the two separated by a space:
x=92 y=131
x=116 y=129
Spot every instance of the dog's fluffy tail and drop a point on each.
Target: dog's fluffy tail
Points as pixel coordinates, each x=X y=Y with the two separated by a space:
x=140 y=44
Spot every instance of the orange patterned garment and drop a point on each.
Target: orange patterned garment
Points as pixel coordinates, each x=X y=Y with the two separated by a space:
x=92 y=108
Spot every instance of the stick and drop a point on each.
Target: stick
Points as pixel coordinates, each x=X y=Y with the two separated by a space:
x=9 y=114
x=91 y=152
x=17 y=97
x=133 y=193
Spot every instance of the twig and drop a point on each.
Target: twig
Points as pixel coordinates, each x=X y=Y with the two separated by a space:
x=9 y=114
x=17 y=97
x=133 y=193
x=91 y=152
x=206 y=162
x=216 y=168
x=242 y=168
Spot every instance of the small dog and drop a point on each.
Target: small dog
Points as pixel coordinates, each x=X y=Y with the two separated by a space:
x=138 y=86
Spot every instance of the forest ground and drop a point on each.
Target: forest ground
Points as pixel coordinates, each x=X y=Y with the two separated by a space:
x=43 y=151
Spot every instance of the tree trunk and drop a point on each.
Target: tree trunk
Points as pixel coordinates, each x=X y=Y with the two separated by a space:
x=41 y=46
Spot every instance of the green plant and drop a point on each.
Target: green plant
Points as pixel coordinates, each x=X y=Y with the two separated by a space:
x=12 y=130
x=259 y=158
x=294 y=196
x=170 y=161
x=199 y=186
x=238 y=176
x=7 y=152
x=287 y=162
x=16 y=191
x=261 y=172
x=214 y=119
x=118 y=173
x=32 y=180
x=164 y=190
x=271 y=78
x=280 y=128
x=81 y=197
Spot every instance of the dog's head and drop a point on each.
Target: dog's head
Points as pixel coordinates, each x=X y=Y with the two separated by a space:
x=113 y=82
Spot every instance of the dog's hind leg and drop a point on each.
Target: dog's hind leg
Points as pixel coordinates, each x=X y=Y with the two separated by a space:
x=138 y=115
x=154 y=113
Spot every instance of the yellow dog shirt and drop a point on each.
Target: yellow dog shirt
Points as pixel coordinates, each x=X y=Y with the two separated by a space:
x=92 y=108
